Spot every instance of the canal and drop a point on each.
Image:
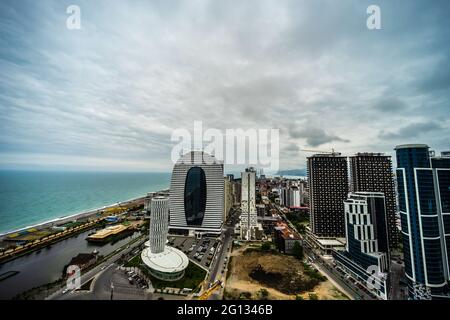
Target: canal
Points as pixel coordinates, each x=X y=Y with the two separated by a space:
x=46 y=265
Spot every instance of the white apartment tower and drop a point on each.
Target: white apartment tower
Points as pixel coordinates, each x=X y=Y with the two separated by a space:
x=249 y=223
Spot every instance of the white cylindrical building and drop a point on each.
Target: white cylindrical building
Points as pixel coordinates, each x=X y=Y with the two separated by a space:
x=163 y=262
x=159 y=223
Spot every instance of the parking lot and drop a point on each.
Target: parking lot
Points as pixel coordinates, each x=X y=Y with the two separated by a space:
x=201 y=251
x=136 y=281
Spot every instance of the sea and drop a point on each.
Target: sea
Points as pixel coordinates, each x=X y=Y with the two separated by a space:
x=32 y=197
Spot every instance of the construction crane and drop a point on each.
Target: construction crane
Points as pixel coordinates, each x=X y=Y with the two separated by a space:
x=208 y=292
x=320 y=151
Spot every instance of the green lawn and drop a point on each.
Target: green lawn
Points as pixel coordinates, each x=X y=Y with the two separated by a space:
x=193 y=275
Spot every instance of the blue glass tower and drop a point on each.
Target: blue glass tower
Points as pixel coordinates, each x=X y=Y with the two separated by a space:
x=424 y=195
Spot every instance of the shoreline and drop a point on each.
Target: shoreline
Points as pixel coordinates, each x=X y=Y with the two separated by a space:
x=70 y=217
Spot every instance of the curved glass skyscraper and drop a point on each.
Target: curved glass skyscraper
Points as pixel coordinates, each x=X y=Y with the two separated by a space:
x=197 y=193
x=423 y=192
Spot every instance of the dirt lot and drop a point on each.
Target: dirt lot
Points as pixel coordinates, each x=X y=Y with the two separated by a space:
x=282 y=276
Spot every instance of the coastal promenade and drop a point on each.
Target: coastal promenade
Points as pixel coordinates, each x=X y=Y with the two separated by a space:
x=47 y=233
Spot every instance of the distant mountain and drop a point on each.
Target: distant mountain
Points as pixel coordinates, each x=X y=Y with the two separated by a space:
x=292 y=172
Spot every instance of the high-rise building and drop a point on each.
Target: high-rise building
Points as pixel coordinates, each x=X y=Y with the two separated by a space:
x=230 y=177
x=159 y=224
x=294 y=196
x=424 y=202
x=366 y=254
x=228 y=197
x=372 y=172
x=249 y=222
x=284 y=196
x=328 y=188
x=197 y=194
x=163 y=262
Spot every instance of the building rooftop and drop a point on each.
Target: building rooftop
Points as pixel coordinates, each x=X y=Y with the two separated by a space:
x=330 y=242
x=286 y=232
x=370 y=154
x=169 y=261
x=407 y=146
x=198 y=158
x=82 y=258
x=109 y=231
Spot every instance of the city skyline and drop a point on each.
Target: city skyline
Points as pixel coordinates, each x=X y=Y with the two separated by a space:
x=108 y=96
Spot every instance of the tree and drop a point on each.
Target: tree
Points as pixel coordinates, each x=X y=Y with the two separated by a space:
x=301 y=228
x=297 y=250
x=263 y=294
x=266 y=246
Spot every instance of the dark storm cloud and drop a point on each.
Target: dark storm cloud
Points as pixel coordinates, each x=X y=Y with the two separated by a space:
x=412 y=130
x=390 y=105
x=114 y=91
x=314 y=136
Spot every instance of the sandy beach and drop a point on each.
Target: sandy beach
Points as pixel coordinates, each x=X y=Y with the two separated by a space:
x=65 y=219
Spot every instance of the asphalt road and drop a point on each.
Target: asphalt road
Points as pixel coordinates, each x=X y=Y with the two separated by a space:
x=227 y=240
x=336 y=276
x=59 y=295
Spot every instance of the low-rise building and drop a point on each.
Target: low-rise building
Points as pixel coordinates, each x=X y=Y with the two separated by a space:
x=83 y=260
x=285 y=237
x=323 y=245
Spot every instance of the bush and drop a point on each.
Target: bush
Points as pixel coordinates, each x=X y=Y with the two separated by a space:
x=264 y=294
x=245 y=295
x=266 y=246
x=313 y=296
x=297 y=251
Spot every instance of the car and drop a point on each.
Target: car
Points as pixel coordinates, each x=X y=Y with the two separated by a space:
x=103 y=268
x=65 y=290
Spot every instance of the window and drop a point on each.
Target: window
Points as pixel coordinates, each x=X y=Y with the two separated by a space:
x=195 y=196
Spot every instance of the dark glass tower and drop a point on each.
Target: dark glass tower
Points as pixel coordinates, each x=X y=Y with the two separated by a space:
x=328 y=188
x=423 y=190
x=372 y=172
x=195 y=196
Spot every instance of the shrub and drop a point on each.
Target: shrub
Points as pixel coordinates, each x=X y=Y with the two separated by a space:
x=313 y=296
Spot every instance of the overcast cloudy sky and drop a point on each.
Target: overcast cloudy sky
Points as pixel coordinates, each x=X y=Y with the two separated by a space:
x=108 y=96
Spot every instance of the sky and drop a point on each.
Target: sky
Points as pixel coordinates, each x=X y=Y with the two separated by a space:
x=109 y=95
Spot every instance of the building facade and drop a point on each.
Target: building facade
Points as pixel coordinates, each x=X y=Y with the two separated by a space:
x=328 y=188
x=285 y=238
x=197 y=194
x=291 y=196
x=249 y=219
x=229 y=200
x=372 y=172
x=366 y=254
x=163 y=262
x=424 y=202
x=159 y=224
